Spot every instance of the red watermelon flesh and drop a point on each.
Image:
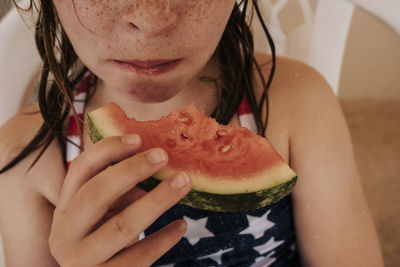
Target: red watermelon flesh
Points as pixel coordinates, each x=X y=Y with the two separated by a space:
x=226 y=163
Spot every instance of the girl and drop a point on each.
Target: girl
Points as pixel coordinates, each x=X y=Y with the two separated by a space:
x=151 y=57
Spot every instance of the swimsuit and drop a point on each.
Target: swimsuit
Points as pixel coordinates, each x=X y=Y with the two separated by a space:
x=261 y=237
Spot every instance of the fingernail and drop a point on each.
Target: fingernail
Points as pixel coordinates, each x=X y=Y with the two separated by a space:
x=156 y=156
x=131 y=139
x=180 y=180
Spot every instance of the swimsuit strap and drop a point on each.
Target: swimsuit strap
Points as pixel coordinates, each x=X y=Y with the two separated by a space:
x=79 y=102
x=246 y=117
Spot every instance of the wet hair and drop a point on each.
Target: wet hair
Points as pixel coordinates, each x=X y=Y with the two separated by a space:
x=60 y=73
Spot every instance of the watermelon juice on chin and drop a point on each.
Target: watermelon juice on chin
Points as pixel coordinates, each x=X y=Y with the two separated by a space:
x=232 y=169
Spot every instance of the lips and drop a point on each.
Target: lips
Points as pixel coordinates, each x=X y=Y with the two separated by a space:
x=149 y=64
x=151 y=67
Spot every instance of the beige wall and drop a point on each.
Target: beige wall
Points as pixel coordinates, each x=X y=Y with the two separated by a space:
x=371 y=64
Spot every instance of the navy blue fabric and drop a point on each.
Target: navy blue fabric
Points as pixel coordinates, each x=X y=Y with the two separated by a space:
x=225 y=229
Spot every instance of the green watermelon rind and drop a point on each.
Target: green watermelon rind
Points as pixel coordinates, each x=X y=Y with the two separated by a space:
x=230 y=202
x=94 y=132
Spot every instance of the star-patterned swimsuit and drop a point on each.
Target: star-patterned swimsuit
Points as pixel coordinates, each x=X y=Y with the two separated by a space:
x=261 y=237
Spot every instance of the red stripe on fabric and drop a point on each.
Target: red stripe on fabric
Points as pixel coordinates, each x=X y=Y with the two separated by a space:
x=83 y=85
x=73 y=127
x=244 y=107
x=79 y=89
x=80 y=92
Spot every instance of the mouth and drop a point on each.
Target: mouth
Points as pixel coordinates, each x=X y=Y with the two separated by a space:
x=151 y=67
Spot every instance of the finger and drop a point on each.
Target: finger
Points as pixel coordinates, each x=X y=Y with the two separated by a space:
x=95 y=159
x=151 y=248
x=96 y=196
x=120 y=204
x=123 y=229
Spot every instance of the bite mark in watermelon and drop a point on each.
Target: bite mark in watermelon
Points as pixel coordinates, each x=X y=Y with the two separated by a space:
x=232 y=169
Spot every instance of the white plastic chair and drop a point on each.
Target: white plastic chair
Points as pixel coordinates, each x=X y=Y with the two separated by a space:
x=320 y=42
x=19 y=61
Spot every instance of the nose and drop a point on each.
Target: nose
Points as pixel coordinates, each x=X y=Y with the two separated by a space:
x=151 y=17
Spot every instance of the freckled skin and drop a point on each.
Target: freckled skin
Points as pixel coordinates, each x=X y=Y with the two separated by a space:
x=102 y=30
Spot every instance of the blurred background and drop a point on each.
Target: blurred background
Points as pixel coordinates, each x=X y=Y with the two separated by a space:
x=369 y=92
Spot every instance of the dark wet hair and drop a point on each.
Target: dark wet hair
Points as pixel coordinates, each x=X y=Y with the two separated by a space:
x=235 y=54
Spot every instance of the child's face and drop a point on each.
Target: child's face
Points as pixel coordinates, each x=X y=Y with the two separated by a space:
x=106 y=33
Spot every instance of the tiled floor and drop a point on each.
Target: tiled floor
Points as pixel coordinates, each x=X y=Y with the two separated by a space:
x=375 y=129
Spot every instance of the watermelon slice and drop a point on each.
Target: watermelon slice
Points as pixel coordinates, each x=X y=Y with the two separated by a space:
x=232 y=169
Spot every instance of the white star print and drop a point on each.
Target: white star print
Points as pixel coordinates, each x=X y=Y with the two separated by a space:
x=216 y=256
x=141 y=236
x=264 y=261
x=258 y=225
x=196 y=229
x=270 y=245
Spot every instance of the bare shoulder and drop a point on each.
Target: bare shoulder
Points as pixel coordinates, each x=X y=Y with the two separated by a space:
x=296 y=93
x=328 y=197
x=293 y=78
x=17 y=132
x=46 y=176
x=27 y=196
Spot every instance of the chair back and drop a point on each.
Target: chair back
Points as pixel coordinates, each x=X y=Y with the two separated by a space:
x=315 y=31
x=20 y=62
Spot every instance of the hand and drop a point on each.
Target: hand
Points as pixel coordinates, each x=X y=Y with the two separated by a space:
x=91 y=187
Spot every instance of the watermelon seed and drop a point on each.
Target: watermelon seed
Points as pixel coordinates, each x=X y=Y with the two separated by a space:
x=221 y=133
x=225 y=148
x=183 y=119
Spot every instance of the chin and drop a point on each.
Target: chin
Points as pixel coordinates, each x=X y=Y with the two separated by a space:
x=152 y=94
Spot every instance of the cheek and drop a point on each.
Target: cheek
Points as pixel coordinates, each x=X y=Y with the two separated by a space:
x=94 y=16
x=211 y=12
x=205 y=21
